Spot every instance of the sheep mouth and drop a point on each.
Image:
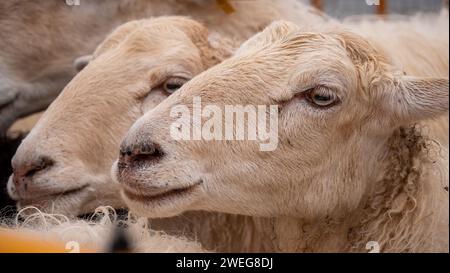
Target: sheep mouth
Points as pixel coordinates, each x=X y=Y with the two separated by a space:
x=7 y=101
x=3 y=105
x=162 y=196
x=52 y=196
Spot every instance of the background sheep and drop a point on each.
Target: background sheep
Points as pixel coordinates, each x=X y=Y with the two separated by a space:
x=349 y=167
x=134 y=69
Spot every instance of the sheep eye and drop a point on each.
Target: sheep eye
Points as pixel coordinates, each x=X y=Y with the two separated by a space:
x=321 y=97
x=173 y=84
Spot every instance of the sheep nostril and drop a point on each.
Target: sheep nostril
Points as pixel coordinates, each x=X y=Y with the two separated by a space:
x=148 y=152
x=23 y=173
x=126 y=152
x=147 y=149
x=139 y=154
x=122 y=152
x=42 y=163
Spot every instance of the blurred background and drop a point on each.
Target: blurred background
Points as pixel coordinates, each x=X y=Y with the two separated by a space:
x=344 y=8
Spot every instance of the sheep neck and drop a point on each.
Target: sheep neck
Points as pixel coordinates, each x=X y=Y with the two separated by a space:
x=397 y=213
x=398 y=210
x=394 y=213
x=388 y=214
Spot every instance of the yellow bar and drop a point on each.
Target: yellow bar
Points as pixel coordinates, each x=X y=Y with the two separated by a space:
x=12 y=241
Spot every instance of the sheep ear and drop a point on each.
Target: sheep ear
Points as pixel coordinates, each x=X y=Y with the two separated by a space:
x=417 y=99
x=82 y=62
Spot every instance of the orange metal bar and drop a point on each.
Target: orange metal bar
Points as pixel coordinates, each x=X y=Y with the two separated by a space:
x=13 y=241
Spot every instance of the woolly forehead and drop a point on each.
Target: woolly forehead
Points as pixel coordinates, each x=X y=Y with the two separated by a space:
x=280 y=69
x=164 y=34
x=148 y=40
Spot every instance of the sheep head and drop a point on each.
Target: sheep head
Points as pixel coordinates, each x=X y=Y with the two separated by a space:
x=338 y=102
x=64 y=163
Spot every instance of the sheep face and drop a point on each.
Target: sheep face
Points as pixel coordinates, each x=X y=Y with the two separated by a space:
x=64 y=163
x=338 y=102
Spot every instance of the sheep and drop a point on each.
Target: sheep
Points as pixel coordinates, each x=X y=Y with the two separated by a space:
x=353 y=167
x=132 y=71
x=40 y=40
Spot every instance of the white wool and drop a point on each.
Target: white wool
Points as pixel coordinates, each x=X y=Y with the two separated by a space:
x=97 y=233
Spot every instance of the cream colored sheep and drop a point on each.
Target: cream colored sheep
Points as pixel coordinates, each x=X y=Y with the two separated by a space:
x=350 y=170
x=139 y=65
